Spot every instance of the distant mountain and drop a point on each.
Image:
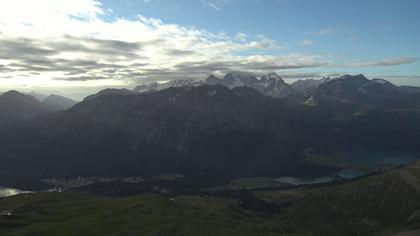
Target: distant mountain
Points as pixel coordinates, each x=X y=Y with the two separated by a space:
x=170 y=84
x=360 y=90
x=39 y=96
x=409 y=89
x=109 y=92
x=308 y=86
x=238 y=79
x=348 y=89
x=15 y=106
x=57 y=102
x=270 y=84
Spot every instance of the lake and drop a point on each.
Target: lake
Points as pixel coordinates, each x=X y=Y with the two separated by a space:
x=361 y=162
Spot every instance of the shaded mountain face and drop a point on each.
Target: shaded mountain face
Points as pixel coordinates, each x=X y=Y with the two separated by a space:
x=346 y=89
x=360 y=90
x=233 y=80
x=109 y=91
x=57 y=102
x=15 y=106
x=308 y=86
x=210 y=130
x=270 y=84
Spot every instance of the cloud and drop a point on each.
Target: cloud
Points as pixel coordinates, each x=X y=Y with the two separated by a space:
x=60 y=43
x=68 y=44
x=215 y=4
x=83 y=78
x=386 y=62
x=295 y=75
x=242 y=37
x=306 y=42
x=323 y=31
x=252 y=64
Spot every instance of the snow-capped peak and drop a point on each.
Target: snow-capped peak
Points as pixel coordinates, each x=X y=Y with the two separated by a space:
x=154 y=86
x=271 y=77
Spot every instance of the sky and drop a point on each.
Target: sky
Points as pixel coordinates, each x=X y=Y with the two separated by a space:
x=78 y=47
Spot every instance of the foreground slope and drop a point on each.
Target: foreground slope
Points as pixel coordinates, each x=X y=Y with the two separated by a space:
x=382 y=204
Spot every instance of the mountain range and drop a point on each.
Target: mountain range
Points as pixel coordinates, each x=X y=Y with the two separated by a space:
x=57 y=102
x=236 y=126
x=347 y=89
x=16 y=106
x=269 y=84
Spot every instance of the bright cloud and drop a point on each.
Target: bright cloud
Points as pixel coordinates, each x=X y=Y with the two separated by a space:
x=61 y=43
x=323 y=31
x=215 y=4
x=385 y=62
x=67 y=43
x=307 y=42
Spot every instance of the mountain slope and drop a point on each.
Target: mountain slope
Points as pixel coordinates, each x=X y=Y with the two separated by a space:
x=170 y=84
x=269 y=84
x=57 y=102
x=360 y=90
x=109 y=92
x=210 y=130
x=178 y=129
x=15 y=106
x=308 y=86
x=381 y=204
x=38 y=96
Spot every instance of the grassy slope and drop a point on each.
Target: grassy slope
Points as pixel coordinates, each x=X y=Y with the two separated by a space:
x=83 y=214
x=381 y=204
x=377 y=205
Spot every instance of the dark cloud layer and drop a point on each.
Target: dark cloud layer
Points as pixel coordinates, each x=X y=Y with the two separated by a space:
x=195 y=55
x=386 y=62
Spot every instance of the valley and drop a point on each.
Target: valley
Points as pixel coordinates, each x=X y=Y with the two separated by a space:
x=385 y=203
x=332 y=160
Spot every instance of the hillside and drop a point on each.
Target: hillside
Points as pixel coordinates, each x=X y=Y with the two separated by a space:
x=382 y=204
